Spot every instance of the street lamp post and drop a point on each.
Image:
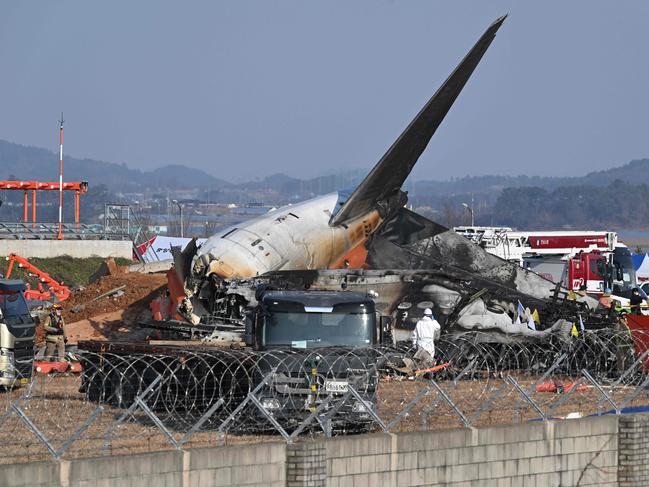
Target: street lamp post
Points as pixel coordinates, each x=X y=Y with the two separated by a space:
x=470 y=209
x=180 y=209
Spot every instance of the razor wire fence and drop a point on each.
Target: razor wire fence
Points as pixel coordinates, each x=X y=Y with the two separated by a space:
x=134 y=402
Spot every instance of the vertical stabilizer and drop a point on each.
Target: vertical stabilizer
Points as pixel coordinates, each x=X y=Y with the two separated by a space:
x=389 y=174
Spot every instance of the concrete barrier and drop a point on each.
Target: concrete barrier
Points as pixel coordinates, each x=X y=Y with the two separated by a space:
x=73 y=248
x=258 y=465
x=604 y=451
x=580 y=452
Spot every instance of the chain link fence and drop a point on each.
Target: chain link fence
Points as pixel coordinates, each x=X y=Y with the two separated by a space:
x=133 y=401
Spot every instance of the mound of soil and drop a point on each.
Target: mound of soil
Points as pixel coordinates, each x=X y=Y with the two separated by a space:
x=110 y=316
x=139 y=291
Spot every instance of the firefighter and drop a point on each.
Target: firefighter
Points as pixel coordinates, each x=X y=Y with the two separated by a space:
x=55 y=334
x=636 y=301
x=583 y=292
x=606 y=301
x=423 y=337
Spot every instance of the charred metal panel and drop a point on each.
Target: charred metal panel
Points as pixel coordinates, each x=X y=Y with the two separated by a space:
x=461 y=300
x=411 y=241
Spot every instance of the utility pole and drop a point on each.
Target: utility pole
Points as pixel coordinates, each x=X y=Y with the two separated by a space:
x=180 y=209
x=60 y=234
x=470 y=209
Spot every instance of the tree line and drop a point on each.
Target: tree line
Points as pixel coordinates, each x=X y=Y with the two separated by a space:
x=617 y=205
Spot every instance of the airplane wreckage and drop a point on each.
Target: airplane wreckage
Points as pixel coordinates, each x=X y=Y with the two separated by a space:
x=367 y=240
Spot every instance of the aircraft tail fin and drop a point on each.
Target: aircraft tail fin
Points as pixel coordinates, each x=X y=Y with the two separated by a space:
x=389 y=174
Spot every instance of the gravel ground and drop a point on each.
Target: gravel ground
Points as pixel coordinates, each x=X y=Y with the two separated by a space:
x=58 y=410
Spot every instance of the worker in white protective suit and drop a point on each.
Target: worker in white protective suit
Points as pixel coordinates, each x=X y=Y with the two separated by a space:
x=424 y=335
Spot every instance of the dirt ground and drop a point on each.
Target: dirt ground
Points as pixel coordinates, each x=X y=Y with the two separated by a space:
x=140 y=289
x=110 y=317
x=58 y=409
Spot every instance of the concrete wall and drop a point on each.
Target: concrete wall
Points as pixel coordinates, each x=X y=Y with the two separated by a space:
x=74 y=248
x=580 y=452
x=604 y=451
x=250 y=466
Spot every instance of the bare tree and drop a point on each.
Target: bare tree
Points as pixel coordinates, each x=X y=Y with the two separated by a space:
x=450 y=216
x=210 y=228
x=174 y=222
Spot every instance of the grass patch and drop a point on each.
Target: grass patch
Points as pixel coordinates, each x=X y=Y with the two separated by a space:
x=72 y=271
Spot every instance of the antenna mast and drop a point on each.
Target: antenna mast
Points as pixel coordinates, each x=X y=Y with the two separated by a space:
x=60 y=235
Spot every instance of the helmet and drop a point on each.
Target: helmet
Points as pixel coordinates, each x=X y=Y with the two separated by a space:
x=56 y=306
x=607 y=290
x=428 y=312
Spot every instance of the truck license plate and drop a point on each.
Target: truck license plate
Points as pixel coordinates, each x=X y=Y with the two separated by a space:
x=336 y=385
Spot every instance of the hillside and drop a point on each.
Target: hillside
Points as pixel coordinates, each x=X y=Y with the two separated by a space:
x=27 y=163
x=36 y=163
x=512 y=200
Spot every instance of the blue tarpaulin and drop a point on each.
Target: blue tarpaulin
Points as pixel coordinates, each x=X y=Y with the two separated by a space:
x=637 y=260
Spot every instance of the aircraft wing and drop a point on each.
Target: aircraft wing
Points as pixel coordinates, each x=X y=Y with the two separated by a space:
x=389 y=174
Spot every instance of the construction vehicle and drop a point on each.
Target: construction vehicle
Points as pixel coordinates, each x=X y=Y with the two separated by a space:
x=580 y=260
x=17 y=330
x=48 y=288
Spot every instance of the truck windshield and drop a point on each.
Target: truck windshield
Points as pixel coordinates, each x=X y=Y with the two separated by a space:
x=314 y=330
x=623 y=264
x=14 y=308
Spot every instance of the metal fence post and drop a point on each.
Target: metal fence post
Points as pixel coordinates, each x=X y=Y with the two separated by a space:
x=486 y=405
x=405 y=411
x=601 y=391
x=370 y=410
x=638 y=390
x=157 y=422
x=311 y=417
x=450 y=403
x=526 y=396
x=75 y=436
x=32 y=427
x=200 y=422
x=226 y=422
x=132 y=408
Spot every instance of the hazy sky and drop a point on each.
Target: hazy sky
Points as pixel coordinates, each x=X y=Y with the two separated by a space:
x=245 y=89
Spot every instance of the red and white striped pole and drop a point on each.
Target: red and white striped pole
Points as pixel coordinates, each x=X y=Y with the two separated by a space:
x=60 y=235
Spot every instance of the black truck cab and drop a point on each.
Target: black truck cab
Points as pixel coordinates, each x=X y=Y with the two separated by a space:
x=316 y=345
x=312 y=319
x=17 y=329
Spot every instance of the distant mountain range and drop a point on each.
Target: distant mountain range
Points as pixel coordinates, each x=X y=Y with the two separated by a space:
x=635 y=172
x=32 y=163
x=27 y=163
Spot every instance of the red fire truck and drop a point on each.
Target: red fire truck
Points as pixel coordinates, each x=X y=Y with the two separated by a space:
x=577 y=259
